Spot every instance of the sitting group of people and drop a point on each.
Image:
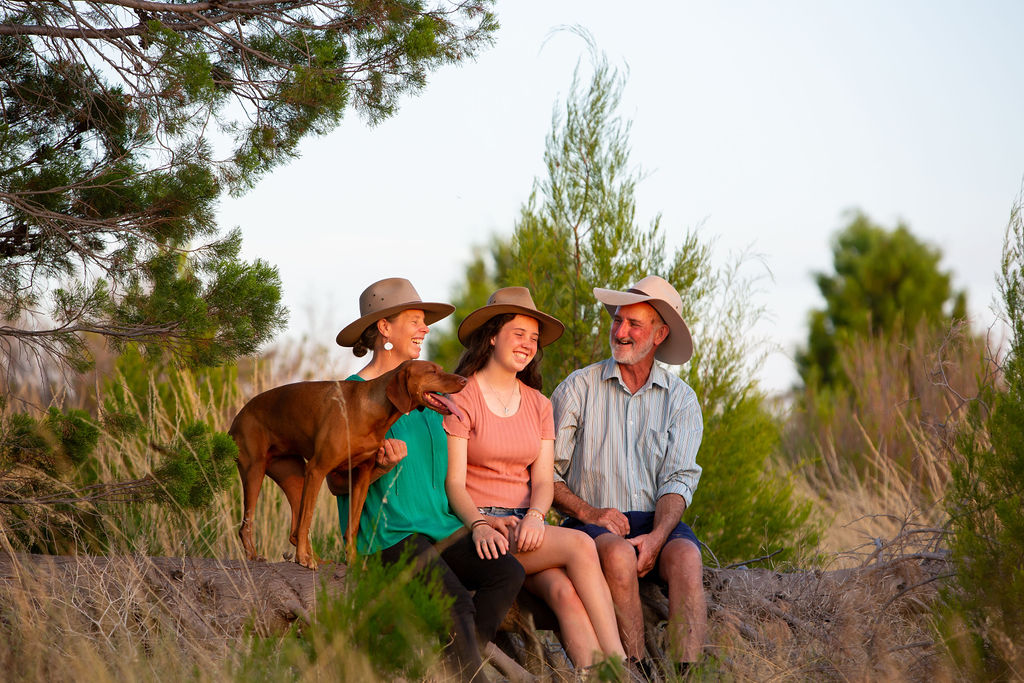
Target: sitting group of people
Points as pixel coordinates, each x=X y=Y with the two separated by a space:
x=614 y=450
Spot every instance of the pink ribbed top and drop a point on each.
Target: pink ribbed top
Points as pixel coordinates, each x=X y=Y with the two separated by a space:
x=501 y=449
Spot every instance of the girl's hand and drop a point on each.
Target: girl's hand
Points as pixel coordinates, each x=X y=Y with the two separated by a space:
x=529 y=533
x=490 y=543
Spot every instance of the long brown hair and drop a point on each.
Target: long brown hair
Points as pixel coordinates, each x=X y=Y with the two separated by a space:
x=479 y=349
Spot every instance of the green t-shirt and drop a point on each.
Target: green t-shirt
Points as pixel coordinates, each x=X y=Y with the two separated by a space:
x=410 y=498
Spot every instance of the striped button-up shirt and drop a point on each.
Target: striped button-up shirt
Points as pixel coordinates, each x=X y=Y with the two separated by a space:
x=622 y=450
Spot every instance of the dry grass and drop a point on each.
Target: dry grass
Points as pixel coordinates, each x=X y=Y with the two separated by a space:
x=875 y=456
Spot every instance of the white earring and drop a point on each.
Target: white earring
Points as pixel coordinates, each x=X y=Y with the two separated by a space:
x=388 y=346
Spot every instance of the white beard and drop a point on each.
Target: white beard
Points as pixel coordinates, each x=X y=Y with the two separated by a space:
x=630 y=354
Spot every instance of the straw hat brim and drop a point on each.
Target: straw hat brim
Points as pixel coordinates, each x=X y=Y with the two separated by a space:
x=551 y=328
x=432 y=312
x=678 y=347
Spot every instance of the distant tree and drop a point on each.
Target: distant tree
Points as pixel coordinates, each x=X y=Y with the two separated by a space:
x=885 y=282
x=986 y=496
x=579 y=231
x=125 y=121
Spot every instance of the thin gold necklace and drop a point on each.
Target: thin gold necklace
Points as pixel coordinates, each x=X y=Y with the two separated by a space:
x=512 y=398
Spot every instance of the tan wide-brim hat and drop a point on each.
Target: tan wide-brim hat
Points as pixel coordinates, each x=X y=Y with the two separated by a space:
x=387 y=297
x=511 y=300
x=656 y=291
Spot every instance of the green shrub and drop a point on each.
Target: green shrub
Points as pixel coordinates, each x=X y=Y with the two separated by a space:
x=986 y=498
x=196 y=465
x=390 y=622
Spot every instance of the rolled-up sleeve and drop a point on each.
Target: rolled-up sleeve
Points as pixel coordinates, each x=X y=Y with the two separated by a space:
x=679 y=472
x=565 y=402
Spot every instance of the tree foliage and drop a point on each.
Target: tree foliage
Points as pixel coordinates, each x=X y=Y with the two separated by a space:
x=885 y=283
x=986 y=493
x=51 y=489
x=579 y=230
x=125 y=121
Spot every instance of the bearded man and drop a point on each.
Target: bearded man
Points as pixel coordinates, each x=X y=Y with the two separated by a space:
x=626 y=438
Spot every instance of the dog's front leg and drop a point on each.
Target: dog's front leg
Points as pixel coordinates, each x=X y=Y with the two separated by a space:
x=360 y=486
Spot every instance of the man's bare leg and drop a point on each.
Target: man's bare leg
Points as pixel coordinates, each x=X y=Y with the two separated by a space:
x=681 y=567
x=618 y=560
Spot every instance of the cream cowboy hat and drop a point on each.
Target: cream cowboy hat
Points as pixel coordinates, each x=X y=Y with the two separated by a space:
x=384 y=298
x=656 y=291
x=511 y=300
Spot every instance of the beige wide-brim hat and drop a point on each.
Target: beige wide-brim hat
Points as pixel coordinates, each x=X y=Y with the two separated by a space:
x=656 y=291
x=387 y=297
x=511 y=300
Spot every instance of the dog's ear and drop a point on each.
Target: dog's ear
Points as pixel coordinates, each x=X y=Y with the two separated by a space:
x=397 y=391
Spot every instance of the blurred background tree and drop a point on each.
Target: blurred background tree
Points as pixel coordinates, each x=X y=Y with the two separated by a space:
x=886 y=282
x=881 y=357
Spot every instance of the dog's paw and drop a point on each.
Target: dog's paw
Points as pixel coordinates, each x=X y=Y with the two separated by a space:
x=306 y=559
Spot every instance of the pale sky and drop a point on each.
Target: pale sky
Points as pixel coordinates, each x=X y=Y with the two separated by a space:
x=761 y=123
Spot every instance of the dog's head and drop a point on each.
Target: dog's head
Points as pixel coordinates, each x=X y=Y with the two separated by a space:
x=422 y=383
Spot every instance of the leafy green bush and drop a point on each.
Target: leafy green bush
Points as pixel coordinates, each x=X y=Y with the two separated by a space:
x=196 y=465
x=390 y=622
x=986 y=498
x=57 y=443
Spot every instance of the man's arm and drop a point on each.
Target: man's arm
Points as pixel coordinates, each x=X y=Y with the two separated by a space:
x=567 y=502
x=679 y=471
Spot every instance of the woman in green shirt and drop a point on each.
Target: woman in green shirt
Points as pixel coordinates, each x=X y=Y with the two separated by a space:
x=406 y=507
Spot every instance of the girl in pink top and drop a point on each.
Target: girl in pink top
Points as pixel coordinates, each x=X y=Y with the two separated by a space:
x=501 y=471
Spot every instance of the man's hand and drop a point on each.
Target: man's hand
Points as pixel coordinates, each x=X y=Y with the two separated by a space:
x=610 y=518
x=648 y=546
x=391 y=453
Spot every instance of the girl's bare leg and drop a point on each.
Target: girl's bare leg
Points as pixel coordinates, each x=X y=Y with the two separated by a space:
x=554 y=587
x=575 y=551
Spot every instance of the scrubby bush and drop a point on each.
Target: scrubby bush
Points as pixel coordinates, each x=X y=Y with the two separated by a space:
x=986 y=498
x=389 y=623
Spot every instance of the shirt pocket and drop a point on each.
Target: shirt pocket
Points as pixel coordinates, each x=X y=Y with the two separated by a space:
x=654 y=443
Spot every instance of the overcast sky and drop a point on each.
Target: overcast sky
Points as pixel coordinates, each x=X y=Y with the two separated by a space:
x=761 y=123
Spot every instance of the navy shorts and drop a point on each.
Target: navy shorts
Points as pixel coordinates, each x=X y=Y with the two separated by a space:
x=640 y=523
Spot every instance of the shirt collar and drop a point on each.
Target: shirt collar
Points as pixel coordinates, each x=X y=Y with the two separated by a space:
x=658 y=375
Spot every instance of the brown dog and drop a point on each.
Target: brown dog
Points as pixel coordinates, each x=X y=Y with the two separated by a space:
x=298 y=433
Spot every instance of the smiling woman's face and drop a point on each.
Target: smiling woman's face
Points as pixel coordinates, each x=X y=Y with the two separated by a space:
x=406 y=332
x=516 y=343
